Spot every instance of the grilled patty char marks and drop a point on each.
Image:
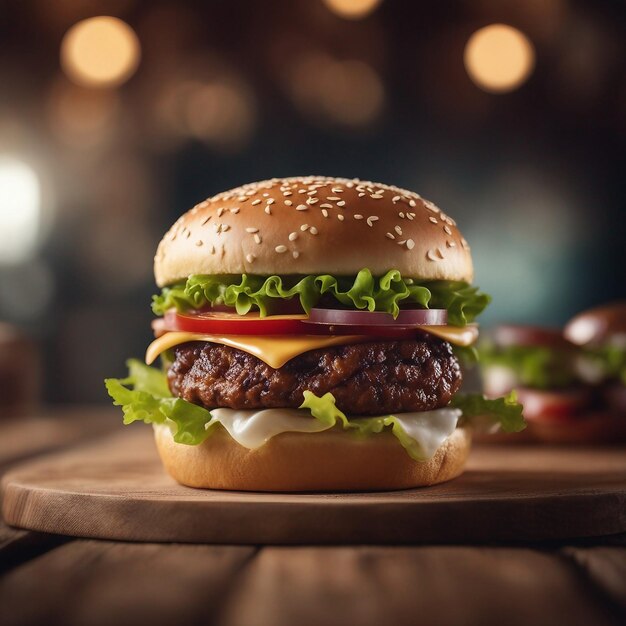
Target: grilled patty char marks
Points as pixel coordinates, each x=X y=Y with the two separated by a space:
x=373 y=378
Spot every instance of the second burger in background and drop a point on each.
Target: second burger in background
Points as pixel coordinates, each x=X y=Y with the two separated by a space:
x=541 y=366
x=601 y=335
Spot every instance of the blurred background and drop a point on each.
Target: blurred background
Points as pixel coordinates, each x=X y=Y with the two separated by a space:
x=116 y=117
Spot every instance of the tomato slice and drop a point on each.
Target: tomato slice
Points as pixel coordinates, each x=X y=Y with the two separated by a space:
x=213 y=322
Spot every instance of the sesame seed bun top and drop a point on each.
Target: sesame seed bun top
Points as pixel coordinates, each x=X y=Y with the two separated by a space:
x=314 y=225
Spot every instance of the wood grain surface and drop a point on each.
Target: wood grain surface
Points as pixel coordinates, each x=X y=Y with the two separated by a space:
x=116 y=489
x=54 y=579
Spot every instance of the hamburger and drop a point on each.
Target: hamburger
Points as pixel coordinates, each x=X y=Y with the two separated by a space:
x=541 y=365
x=309 y=332
x=600 y=334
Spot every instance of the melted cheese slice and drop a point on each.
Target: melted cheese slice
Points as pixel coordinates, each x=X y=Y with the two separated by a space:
x=276 y=350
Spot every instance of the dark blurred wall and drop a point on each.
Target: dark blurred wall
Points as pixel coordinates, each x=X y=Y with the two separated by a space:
x=230 y=92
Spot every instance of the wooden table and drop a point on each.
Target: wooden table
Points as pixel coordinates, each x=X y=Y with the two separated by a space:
x=49 y=579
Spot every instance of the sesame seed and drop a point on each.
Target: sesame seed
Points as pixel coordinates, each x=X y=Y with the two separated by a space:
x=341 y=203
x=376 y=196
x=280 y=249
x=302 y=207
x=336 y=189
x=398 y=230
x=270 y=201
x=358 y=217
x=255 y=202
x=395 y=199
x=389 y=236
x=268 y=210
x=430 y=255
x=450 y=244
x=199 y=243
x=312 y=200
x=465 y=244
x=293 y=236
x=446 y=229
x=324 y=212
x=223 y=250
x=235 y=210
x=433 y=219
x=220 y=211
x=340 y=217
x=313 y=230
x=188 y=234
x=412 y=203
x=286 y=193
x=225 y=227
x=205 y=220
x=401 y=215
x=371 y=219
x=288 y=202
x=295 y=254
x=333 y=198
x=250 y=258
x=251 y=229
x=311 y=193
x=410 y=244
x=266 y=194
x=304 y=227
x=326 y=206
x=257 y=238
x=361 y=194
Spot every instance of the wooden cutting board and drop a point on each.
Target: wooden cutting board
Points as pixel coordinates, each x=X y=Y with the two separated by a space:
x=117 y=489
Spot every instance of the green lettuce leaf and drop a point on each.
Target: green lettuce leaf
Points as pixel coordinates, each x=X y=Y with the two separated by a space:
x=386 y=293
x=611 y=361
x=324 y=409
x=537 y=367
x=505 y=412
x=144 y=396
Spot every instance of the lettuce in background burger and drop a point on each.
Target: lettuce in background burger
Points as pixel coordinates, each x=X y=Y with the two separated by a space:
x=307 y=337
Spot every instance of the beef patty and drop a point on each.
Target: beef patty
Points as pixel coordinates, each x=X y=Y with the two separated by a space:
x=373 y=378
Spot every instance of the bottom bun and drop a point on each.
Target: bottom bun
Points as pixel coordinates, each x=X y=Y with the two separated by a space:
x=328 y=461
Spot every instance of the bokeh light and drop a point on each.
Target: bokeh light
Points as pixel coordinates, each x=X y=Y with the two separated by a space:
x=499 y=58
x=20 y=210
x=352 y=9
x=216 y=108
x=82 y=117
x=100 y=52
x=219 y=113
x=348 y=93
